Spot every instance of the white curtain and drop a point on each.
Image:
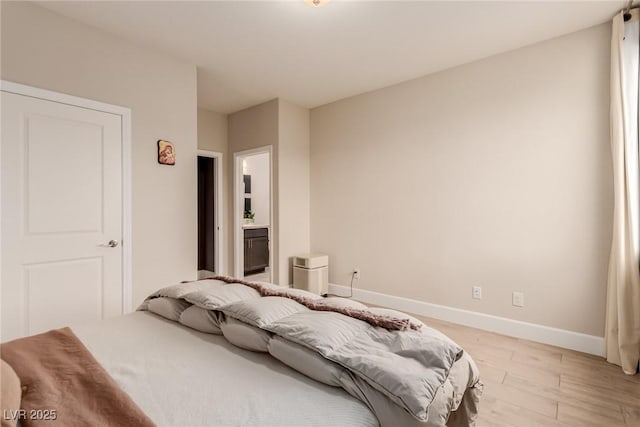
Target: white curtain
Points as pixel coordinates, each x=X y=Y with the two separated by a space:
x=622 y=331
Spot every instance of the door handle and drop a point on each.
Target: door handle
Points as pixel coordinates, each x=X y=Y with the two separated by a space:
x=110 y=244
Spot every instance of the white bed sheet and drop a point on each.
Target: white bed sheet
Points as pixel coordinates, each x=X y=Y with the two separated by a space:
x=181 y=377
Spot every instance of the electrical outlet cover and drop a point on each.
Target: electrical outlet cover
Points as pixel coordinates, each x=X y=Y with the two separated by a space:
x=476 y=292
x=518 y=299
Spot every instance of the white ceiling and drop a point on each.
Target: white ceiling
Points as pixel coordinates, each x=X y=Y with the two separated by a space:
x=250 y=52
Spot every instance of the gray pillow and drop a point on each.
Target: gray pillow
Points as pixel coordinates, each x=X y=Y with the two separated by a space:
x=245 y=336
x=262 y=311
x=168 y=308
x=205 y=293
x=218 y=294
x=201 y=319
x=323 y=330
x=306 y=361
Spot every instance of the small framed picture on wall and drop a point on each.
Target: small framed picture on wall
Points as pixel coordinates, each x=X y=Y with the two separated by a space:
x=166 y=153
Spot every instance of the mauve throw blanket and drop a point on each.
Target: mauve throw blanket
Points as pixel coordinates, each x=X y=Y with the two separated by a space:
x=58 y=373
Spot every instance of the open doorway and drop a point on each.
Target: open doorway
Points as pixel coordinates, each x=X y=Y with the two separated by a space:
x=209 y=214
x=253 y=214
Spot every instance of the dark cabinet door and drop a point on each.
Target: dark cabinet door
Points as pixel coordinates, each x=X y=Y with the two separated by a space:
x=256 y=250
x=247 y=261
x=259 y=253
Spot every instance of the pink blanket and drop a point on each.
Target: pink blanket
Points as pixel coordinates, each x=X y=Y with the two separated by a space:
x=64 y=385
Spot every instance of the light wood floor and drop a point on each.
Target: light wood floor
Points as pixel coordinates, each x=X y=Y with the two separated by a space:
x=260 y=277
x=531 y=384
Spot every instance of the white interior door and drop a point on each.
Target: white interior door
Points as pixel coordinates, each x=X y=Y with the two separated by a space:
x=61 y=205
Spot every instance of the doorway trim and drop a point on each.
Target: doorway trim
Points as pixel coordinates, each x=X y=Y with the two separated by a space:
x=125 y=114
x=218 y=226
x=238 y=238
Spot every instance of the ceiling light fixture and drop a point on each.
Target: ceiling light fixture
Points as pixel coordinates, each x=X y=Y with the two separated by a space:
x=316 y=3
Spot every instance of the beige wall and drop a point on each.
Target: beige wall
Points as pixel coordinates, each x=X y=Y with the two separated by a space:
x=252 y=128
x=496 y=173
x=294 y=186
x=46 y=50
x=212 y=131
x=285 y=127
x=212 y=136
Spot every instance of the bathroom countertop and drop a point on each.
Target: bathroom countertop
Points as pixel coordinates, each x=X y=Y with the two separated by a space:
x=250 y=226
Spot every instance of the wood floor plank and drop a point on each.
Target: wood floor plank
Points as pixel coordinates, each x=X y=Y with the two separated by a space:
x=491 y=373
x=590 y=368
x=513 y=395
x=578 y=360
x=501 y=413
x=566 y=396
x=606 y=383
x=523 y=370
x=586 y=417
x=523 y=344
x=631 y=415
x=486 y=353
x=538 y=355
x=610 y=392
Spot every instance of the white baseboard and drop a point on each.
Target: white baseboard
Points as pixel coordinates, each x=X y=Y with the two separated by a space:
x=513 y=328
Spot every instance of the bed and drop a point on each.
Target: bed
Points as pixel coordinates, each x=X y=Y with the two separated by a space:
x=218 y=352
